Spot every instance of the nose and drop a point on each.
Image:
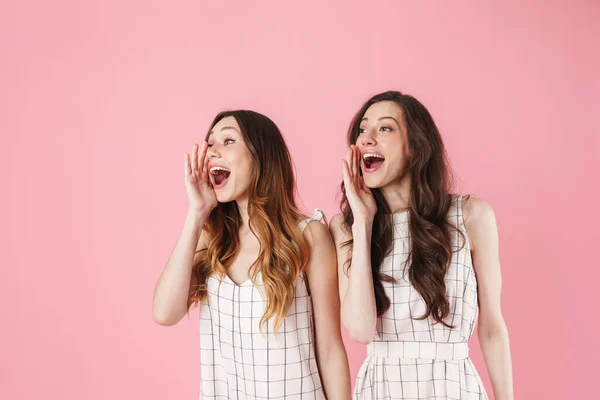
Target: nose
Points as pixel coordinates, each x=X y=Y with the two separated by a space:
x=367 y=138
x=213 y=151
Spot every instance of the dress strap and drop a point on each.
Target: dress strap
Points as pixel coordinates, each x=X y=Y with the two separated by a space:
x=459 y=201
x=458 y=212
x=318 y=215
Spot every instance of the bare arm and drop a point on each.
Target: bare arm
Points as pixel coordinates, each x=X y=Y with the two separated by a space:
x=359 y=310
x=176 y=280
x=481 y=228
x=322 y=278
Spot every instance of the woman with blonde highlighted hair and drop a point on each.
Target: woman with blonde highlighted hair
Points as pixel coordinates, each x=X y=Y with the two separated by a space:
x=263 y=274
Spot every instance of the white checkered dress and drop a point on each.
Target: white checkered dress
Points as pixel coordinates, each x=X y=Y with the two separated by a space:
x=238 y=361
x=417 y=359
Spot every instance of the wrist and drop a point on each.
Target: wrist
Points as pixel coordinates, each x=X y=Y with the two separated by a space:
x=197 y=215
x=362 y=224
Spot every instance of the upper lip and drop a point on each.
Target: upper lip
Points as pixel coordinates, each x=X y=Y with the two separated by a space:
x=211 y=166
x=371 y=152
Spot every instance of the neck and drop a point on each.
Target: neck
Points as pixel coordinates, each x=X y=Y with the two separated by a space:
x=243 y=207
x=397 y=194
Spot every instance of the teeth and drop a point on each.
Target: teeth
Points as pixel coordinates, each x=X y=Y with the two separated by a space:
x=372 y=155
x=216 y=168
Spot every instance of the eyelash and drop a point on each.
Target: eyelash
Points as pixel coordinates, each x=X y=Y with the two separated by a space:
x=361 y=131
x=225 y=141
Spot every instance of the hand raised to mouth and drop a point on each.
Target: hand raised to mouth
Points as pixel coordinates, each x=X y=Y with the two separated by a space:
x=360 y=197
x=201 y=195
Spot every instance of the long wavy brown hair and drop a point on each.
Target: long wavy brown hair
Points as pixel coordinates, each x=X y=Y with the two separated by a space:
x=430 y=200
x=273 y=218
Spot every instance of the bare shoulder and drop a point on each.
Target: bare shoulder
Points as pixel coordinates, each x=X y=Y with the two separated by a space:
x=316 y=233
x=480 y=223
x=336 y=227
x=337 y=221
x=477 y=211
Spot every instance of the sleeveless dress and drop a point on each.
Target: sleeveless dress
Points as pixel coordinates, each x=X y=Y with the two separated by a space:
x=237 y=361
x=417 y=359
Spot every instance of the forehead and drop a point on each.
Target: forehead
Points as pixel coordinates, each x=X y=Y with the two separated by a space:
x=223 y=124
x=227 y=122
x=383 y=109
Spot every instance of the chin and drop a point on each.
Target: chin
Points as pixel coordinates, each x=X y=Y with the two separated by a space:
x=373 y=183
x=225 y=197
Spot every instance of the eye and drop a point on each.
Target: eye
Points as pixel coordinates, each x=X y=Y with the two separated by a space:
x=229 y=141
x=386 y=129
x=210 y=145
x=362 y=130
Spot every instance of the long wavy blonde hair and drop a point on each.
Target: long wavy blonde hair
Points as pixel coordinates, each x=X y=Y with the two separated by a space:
x=273 y=217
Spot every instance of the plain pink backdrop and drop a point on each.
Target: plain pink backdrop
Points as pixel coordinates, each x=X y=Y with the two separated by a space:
x=100 y=100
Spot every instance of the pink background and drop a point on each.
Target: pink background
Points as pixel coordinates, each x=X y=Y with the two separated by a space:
x=100 y=101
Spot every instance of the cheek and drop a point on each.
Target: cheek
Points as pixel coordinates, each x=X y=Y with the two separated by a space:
x=244 y=176
x=246 y=162
x=244 y=166
x=239 y=158
x=397 y=163
x=396 y=150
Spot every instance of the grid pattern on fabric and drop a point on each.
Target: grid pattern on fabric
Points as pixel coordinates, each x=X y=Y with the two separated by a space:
x=415 y=379
x=238 y=361
x=409 y=370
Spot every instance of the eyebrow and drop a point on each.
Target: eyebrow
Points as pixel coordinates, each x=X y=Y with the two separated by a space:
x=222 y=129
x=379 y=119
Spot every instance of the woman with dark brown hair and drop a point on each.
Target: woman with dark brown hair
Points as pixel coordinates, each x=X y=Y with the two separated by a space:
x=416 y=263
x=263 y=274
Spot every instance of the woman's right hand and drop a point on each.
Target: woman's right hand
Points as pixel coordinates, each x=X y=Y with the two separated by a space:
x=201 y=195
x=359 y=195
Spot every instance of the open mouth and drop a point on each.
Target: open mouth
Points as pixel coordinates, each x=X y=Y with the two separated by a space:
x=219 y=176
x=372 y=161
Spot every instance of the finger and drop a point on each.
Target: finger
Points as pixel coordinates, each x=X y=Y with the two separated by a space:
x=355 y=170
x=346 y=163
x=358 y=161
x=364 y=186
x=195 y=158
x=351 y=163
x=348 y=185
x=204 y=172
x=202 y=157
x=348 y=160
x=345 y=174
x=188 y=169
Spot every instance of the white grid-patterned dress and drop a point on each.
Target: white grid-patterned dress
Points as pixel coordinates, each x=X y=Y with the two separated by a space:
x=237 y=361
x=418 y=359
